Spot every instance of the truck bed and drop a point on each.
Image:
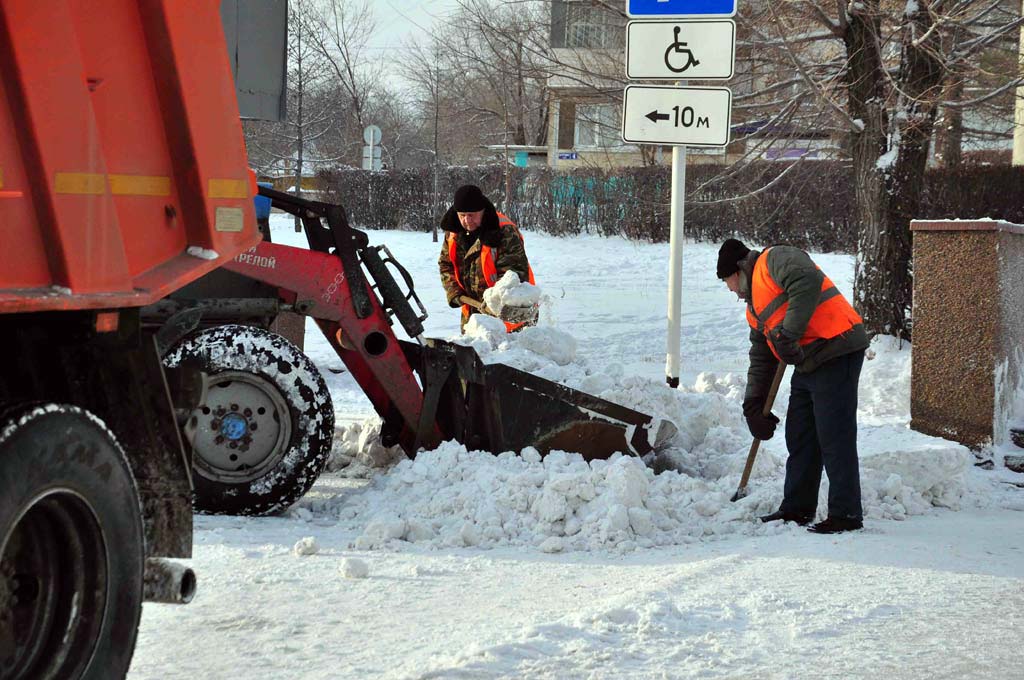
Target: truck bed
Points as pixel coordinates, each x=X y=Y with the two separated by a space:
x=123 y=172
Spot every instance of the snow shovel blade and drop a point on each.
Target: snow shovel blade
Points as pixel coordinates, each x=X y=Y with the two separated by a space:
x=509 y=313
x=516 y=314
x=498 y=408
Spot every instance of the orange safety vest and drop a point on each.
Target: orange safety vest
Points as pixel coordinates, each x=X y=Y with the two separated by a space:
x=769 y=302
x=487 y=257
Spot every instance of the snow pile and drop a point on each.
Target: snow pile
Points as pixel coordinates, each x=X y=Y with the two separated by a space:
x=550 y=343
x=533 y=349
x=904 y=472
x=510 y=292
x=545 y=351
x=484 y=332
x=452 y=497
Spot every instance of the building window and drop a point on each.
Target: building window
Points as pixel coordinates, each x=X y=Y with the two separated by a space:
x=592 y=27
x=598 y=126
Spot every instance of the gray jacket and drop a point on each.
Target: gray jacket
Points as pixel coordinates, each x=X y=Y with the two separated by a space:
x=798 y=276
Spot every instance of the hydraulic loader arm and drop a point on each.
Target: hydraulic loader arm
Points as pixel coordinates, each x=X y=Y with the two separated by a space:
x=328 y=284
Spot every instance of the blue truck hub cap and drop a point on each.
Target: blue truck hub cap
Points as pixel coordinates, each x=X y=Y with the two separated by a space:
x=234 y=426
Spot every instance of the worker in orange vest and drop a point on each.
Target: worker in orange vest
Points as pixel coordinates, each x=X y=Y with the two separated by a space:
x=798 y=316
x=480 y=246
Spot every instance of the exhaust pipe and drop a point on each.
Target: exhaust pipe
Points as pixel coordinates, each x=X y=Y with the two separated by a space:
x=168 y=582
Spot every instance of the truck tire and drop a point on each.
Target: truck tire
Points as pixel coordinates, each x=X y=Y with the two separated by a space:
x=72 y=550
x=263 y=433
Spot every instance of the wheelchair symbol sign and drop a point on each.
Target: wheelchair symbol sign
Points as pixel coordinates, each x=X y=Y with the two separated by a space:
x=678 y=48
x=671 y=50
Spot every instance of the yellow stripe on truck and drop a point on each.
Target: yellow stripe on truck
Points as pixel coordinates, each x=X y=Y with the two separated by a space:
x=86 y=183
x=140 y=185
x=228 y=188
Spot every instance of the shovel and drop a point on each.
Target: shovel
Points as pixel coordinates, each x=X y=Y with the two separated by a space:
x=509 y=313
x=754 y=445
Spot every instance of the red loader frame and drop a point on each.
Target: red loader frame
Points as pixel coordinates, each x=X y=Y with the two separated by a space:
x=456 y=396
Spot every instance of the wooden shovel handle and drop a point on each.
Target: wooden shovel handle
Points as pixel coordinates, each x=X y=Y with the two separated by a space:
x=768 y=403
x=475 y=304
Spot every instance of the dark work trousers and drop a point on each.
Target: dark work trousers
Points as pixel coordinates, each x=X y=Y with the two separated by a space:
x=821 y=431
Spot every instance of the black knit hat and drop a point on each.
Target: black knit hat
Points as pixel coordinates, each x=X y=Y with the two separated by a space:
x=729 y=255
x=469 y=198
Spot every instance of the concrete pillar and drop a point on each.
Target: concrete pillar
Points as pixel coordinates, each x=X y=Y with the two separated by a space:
x=553 y=110
x=967 y=373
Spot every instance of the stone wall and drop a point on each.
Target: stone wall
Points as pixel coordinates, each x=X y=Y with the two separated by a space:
x=968 y=325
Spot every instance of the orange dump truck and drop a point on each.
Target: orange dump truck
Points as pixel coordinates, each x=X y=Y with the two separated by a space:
x=139 y=373
x=123 y=177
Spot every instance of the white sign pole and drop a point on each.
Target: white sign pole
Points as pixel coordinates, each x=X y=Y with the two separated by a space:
x=675 y=265
x=678 y=116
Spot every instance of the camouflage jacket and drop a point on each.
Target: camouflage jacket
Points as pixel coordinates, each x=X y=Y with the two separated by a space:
x=506 y=242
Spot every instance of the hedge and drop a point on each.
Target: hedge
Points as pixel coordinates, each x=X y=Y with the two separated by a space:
x=809 y=204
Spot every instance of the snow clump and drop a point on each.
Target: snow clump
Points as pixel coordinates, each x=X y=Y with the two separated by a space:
x=510 y=292
x=352 y=567
x=202 y=253
x=306 y=546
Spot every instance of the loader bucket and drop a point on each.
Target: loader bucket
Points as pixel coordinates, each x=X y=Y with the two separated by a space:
x=496 y=408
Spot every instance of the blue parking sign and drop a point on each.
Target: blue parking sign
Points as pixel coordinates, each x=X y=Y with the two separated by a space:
x=681 y=8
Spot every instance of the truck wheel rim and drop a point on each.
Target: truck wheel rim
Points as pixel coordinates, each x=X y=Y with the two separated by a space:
x=53 y=585
x=242 y=430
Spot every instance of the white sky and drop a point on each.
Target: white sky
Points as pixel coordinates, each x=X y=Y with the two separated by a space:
x=399 y=20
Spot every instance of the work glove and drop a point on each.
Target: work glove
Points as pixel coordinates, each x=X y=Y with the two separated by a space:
x=453 y=299
x=786 y=346
x=762 y=426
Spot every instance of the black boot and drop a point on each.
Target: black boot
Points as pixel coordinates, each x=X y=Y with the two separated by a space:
x=836 y=525
x=800 y=518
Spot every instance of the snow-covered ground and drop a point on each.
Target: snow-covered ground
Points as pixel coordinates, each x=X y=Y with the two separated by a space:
x=461 y=564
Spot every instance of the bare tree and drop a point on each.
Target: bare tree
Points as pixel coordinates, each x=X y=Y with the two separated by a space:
x=289 y=146
x=345 y=28
x=881 y=70
x=481 y=78
x=865 y=79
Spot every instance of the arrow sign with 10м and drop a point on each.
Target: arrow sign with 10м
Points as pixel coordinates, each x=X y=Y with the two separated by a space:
x=694 y=116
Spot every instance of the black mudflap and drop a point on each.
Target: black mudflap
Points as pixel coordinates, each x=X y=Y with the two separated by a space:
x=496 y=408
